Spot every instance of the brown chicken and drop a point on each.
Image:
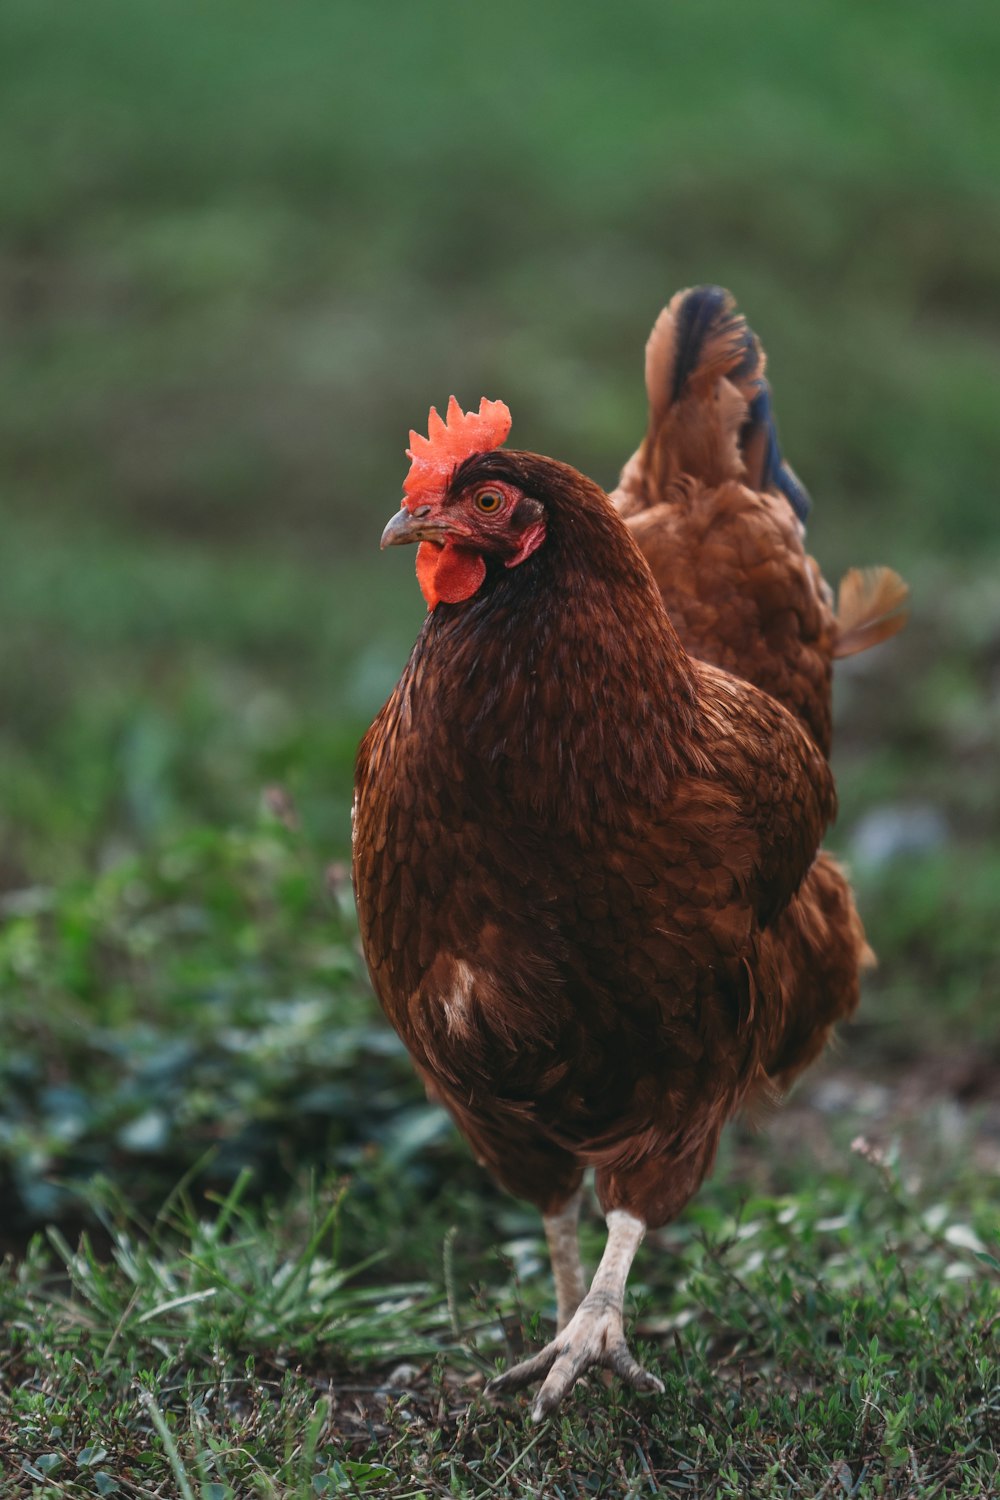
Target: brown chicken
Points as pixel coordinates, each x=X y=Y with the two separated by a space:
x=587 y=825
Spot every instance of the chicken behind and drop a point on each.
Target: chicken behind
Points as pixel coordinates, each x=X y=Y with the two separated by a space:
x=587 y=824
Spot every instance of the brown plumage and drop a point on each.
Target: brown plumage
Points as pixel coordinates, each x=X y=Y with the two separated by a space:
x=586 y=840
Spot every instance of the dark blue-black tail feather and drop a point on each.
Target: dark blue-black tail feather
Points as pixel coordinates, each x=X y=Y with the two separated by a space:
x=775 y=473
x=706 y=339
x=702 y=311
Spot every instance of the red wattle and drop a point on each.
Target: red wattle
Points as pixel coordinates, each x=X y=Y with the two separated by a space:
x=448 y=574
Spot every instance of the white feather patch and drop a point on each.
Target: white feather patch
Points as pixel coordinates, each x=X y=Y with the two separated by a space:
x=457 y=998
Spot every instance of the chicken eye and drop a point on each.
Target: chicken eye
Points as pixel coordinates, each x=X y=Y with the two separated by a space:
x=488 y=501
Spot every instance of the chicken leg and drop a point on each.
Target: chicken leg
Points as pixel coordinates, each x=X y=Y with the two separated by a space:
x=595 y=1333
x=562 y=1237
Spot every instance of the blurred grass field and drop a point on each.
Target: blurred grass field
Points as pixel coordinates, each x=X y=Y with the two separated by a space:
x=242 y=250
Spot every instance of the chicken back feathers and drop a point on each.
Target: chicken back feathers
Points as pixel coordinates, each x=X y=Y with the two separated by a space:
x=719 y=516
x=585 y=853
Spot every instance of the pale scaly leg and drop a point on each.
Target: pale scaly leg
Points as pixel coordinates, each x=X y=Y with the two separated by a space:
x=594 y=1335
x=562 y=1234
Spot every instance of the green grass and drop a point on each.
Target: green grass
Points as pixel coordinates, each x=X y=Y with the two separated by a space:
x=241 y=251
x=840 y=1336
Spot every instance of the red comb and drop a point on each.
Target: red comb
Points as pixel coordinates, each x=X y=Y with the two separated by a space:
x=450 y=441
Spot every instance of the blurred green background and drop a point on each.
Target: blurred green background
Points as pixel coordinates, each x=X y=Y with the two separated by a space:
x=243 y=247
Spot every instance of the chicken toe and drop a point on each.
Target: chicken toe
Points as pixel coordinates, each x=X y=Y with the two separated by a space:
x=593 y=1337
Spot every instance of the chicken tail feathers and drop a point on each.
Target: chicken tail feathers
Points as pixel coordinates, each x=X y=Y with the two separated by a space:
x=766 y=468
x=710 y=413
x=871 y=607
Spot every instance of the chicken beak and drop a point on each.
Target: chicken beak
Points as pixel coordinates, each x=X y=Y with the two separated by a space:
x=415 y=526
x=406 y=526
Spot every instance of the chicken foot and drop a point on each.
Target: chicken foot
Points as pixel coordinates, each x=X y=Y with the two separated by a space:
x=594 y=1335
